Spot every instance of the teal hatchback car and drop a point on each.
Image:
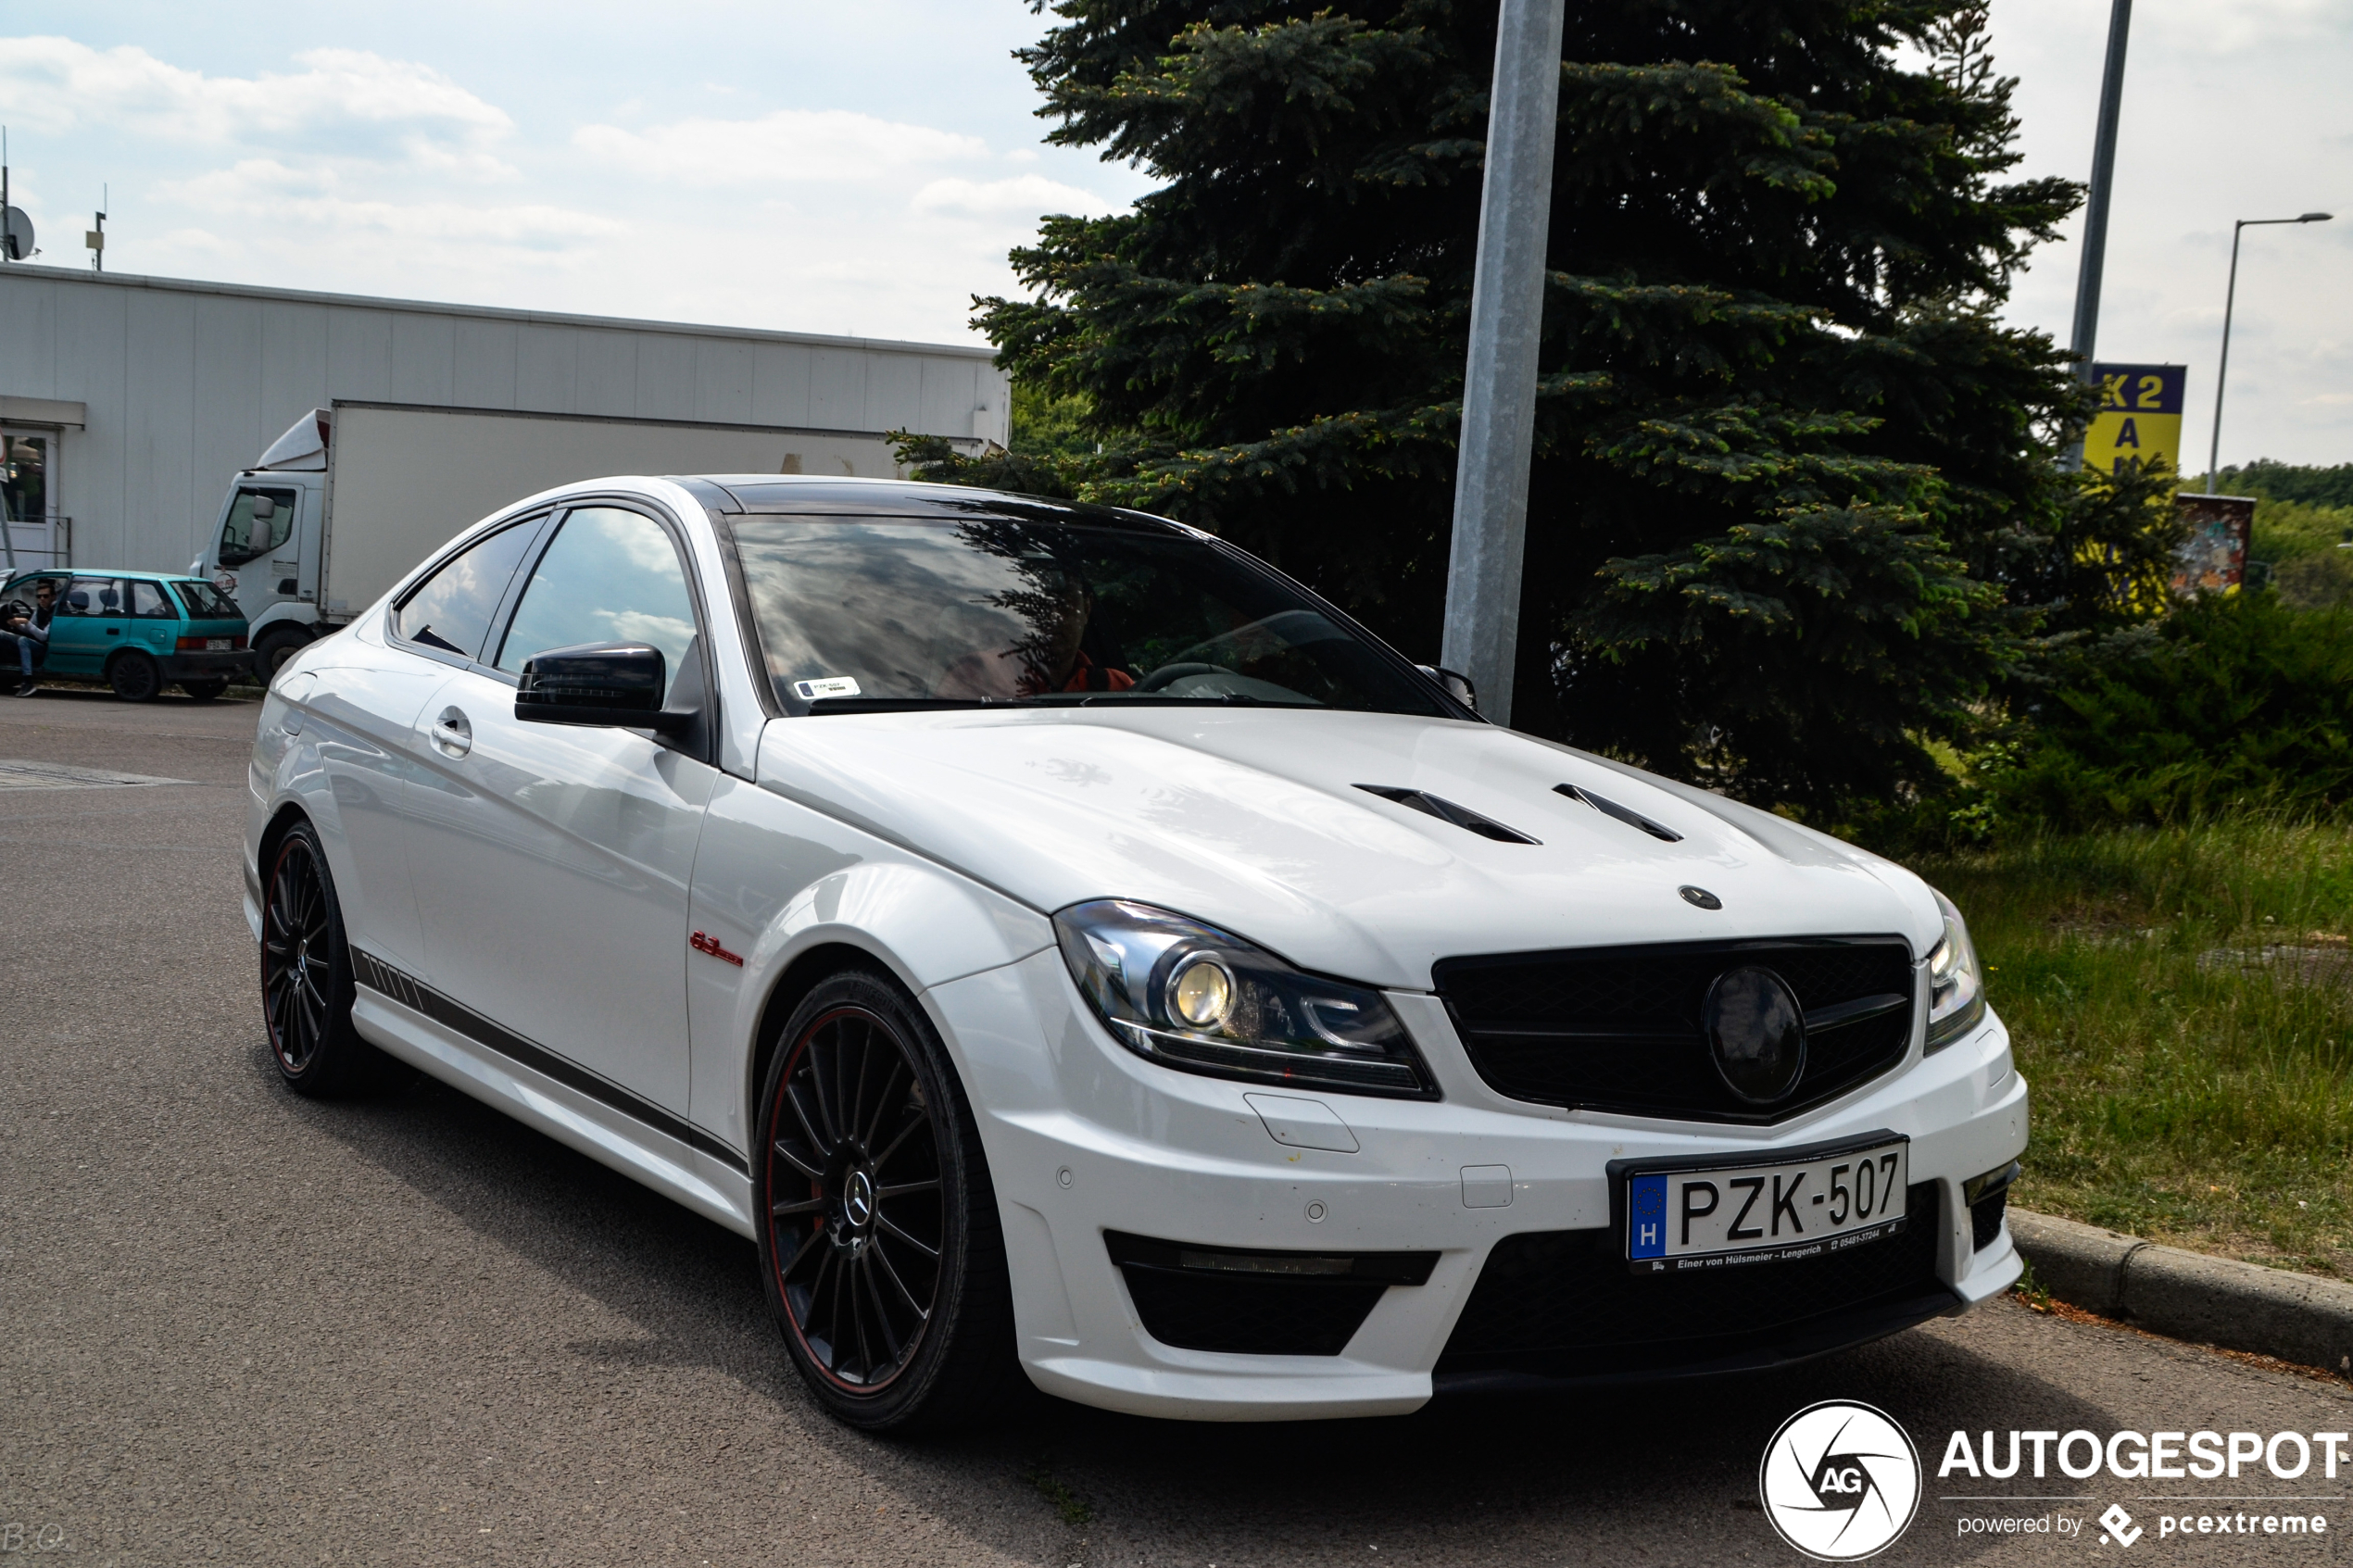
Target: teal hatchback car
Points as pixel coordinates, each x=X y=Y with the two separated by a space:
x=136 y=632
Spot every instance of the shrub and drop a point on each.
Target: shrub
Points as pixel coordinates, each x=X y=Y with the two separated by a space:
x=2236 y=702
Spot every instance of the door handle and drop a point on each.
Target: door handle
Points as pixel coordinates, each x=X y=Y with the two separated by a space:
x=452 y=733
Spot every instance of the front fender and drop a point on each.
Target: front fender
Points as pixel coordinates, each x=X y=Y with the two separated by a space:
x=775 y=881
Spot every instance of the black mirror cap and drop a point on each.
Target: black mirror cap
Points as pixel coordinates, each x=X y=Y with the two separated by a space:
x=609 y=684
x=1456 y=685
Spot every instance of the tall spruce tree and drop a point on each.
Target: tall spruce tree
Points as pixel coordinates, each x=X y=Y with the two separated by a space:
x=1793 y=503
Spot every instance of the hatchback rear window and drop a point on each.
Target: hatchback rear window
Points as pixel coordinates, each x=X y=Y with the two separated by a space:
x=206 y=602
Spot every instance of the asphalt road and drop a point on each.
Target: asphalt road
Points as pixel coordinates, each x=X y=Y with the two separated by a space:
x=238 y=1327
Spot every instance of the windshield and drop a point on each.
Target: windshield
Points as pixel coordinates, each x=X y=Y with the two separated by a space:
x=206 y=602
x=862 y=614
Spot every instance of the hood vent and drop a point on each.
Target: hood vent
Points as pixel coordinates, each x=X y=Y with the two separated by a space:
x=1446 y=810
x=1632 y=819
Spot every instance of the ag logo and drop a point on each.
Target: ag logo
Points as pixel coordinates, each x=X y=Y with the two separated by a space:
x=1840 y=1481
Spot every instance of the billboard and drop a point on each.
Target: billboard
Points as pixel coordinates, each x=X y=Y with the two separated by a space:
x=2213 y=559
x=2139 y=417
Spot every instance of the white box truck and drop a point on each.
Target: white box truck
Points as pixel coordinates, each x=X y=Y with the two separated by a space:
x=352 y=497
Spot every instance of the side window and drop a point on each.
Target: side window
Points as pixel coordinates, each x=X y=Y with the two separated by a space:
x=91 y=595
x=452 y=609
x=147 y=602
x=610 y=576
x=260 y=520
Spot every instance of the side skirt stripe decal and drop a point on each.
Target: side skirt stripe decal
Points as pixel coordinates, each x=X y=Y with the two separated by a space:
x=378 y=976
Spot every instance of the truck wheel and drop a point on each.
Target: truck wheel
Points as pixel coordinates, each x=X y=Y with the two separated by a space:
x=134 y=676
x=204 y=691
x=273 y=648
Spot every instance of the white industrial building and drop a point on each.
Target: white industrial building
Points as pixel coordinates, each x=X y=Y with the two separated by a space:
x=128 y=403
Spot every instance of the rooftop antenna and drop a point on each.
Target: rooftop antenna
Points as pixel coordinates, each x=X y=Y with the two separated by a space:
x=96 y=238
x=16 y=229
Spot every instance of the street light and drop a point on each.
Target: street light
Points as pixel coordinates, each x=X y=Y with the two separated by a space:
x=2229 y=300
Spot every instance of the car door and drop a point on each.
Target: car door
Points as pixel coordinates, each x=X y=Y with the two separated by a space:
x=153 y=624
x=553 y=860
x=358 y=715
x=88 y=626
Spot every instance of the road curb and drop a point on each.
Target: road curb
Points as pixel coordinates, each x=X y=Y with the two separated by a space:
x=2298 y=1318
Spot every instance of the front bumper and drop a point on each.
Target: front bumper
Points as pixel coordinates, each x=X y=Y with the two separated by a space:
x=1086 y=1140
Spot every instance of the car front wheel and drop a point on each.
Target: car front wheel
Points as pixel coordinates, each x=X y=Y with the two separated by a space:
x=879 y=1242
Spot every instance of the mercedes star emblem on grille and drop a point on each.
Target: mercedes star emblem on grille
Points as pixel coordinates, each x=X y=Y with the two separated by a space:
x=1757 y=1033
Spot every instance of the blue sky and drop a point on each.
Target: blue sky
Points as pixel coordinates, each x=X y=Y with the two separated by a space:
x=861 y=167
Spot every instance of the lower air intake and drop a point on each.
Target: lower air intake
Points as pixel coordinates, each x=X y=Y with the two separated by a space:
x=1257 y=1303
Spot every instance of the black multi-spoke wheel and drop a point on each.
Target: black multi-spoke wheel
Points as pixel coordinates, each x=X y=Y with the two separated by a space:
x=883 y=1261
x=134 y=676
x=305 y=976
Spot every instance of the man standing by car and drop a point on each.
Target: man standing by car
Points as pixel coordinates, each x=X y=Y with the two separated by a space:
x=30 y=633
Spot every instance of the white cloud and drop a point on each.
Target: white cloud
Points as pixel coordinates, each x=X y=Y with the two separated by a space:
x=345 y=100
x=788 y=146
x=317 y=199
x=1025 y=196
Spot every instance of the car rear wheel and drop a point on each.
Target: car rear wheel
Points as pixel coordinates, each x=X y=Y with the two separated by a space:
x=879 y=1241
x=135 y=677
x=306 y=978
x=204 y=691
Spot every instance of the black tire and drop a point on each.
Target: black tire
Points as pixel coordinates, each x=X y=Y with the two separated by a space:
x=900 y=1321
x=306 y=979
x=204 y=691
x=273 y=648
x=134 y=676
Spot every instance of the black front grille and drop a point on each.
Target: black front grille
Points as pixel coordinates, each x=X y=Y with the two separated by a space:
x=1619 y=1028
x=1563 y=1304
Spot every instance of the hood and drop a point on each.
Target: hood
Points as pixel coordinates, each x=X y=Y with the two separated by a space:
x=1253 y=820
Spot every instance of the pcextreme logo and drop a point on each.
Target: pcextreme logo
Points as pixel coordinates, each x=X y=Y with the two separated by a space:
x=1840 y=1481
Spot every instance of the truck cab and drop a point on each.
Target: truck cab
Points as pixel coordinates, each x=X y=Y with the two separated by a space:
x=266 y=546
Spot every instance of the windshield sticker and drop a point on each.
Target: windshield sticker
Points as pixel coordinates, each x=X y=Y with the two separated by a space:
x=825 y=686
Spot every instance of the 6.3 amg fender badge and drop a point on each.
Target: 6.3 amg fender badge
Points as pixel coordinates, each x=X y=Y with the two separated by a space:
x=704 y=944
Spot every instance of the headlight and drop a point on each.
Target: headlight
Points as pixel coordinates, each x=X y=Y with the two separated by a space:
x=1956 y=984
x=1189 y=996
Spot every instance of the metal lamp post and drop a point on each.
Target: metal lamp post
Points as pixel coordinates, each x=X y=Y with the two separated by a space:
x=2229 y=302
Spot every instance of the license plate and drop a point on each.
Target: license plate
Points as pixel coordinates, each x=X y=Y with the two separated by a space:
x=1692 y=1216
x=216 y=645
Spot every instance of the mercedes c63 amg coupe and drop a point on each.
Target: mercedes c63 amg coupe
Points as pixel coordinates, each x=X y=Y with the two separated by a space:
x=1069 y=947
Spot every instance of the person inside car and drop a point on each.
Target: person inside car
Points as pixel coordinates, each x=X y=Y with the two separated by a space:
x=27 y=627
x=1053 y=656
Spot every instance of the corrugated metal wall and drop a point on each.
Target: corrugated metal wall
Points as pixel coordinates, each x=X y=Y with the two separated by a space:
x=186 y=383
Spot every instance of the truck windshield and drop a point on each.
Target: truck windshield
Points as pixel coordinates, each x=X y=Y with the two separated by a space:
x=206 y=602
x=885 y=613
x=260 y=520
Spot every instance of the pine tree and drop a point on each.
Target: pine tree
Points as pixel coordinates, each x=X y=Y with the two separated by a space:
x=1794 y=505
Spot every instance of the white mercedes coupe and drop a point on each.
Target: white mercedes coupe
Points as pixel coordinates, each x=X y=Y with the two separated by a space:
x=1063 y=943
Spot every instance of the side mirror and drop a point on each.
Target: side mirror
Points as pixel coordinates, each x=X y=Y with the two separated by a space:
x=614 y=686
x=264 y=508
x=1457 y=684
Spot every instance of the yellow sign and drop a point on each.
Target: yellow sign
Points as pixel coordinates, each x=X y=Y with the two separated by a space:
x=2139 y=417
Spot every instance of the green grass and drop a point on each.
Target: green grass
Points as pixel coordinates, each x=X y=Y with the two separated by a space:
x=2208 y=1104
